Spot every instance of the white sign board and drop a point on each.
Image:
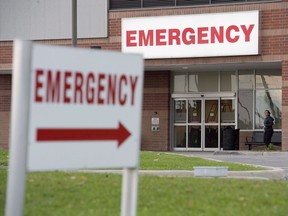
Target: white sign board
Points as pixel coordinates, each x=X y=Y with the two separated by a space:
x=197 y=35
x=72 y=109
x=85 y=109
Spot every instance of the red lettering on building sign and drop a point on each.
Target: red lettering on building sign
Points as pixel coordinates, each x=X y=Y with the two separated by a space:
x=70 y=87
x=189 y=36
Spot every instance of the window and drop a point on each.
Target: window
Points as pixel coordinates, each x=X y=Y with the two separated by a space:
x=268 y=100
x=203 y=82
x=226 y=1
x=180 y=83
x=266 y=84
x=258 y=90
x=180 y=137
x=193 y=82
x=245 y=99
x=158 y=3
x=130 y=4
x=268 y=79
x=268 y=96
x=180 y=111
x=125 y=4
x=192 y=2
x=245 y=109
x=227 y=110
x=246 y=79
x=194 y=111
x=228 y=81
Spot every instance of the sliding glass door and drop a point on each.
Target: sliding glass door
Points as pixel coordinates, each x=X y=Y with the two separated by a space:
x=199 y=122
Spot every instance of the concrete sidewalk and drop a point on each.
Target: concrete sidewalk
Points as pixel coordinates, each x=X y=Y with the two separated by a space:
x=276 y=164
x=270 y=174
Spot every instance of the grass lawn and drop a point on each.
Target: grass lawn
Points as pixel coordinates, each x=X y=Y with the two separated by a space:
x=3 y=158
x=163 y=161
x=69 y=194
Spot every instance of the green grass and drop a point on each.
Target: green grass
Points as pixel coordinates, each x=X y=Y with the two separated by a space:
x=164 y=161
x=3 y=158
x=69 y=194
x=76 y=193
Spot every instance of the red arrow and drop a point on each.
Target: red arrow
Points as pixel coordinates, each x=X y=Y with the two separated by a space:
x=83 y=134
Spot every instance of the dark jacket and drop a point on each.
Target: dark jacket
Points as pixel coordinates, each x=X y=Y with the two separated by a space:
x=268 y=122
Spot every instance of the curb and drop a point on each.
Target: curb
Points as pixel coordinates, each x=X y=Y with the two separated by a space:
x=272 y=174
x=249 y=153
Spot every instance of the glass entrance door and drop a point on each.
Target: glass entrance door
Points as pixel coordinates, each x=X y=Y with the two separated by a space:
x=187 y=124
x=194 y=126
x=199 y=122
x=211 y=124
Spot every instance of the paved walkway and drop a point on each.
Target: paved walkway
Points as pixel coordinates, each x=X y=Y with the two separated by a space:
x=275 y=162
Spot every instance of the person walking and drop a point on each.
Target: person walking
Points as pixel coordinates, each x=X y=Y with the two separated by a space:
x=268 y=128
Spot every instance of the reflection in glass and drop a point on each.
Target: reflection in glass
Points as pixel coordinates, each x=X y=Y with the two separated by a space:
x=194 y=111
x=228 y=81
x=180 y=110
x=179 y=82
x=227 y=111
x=268 y=100
x=211 y=136
x=246 y=79
x=211 y=111
x=268 y=79
x=180 y=137
x=194 y=136
x=203 y=82
x=193 y=85
x=245 y=109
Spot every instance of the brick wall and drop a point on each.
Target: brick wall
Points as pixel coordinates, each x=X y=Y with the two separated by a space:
x=242 y=139
x=156 y=101
x=6 y=53
x=5 y=102
x=285 y=105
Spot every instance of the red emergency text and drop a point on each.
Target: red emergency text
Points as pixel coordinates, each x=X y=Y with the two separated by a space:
x=189 y=36
x=76 y=87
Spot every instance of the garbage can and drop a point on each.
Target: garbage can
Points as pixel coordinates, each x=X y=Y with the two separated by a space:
x=228 y=139
x=236 y=134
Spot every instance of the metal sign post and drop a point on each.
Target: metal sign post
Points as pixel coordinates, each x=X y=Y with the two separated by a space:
x=129 y=192
x=19 y=129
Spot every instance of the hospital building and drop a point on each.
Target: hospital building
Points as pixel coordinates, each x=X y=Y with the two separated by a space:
x=211 y=67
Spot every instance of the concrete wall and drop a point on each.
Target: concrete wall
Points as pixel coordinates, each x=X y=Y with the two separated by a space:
x=36 y=20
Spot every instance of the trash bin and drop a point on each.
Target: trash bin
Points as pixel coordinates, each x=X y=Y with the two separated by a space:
x=236 y=134
x=230 y=138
